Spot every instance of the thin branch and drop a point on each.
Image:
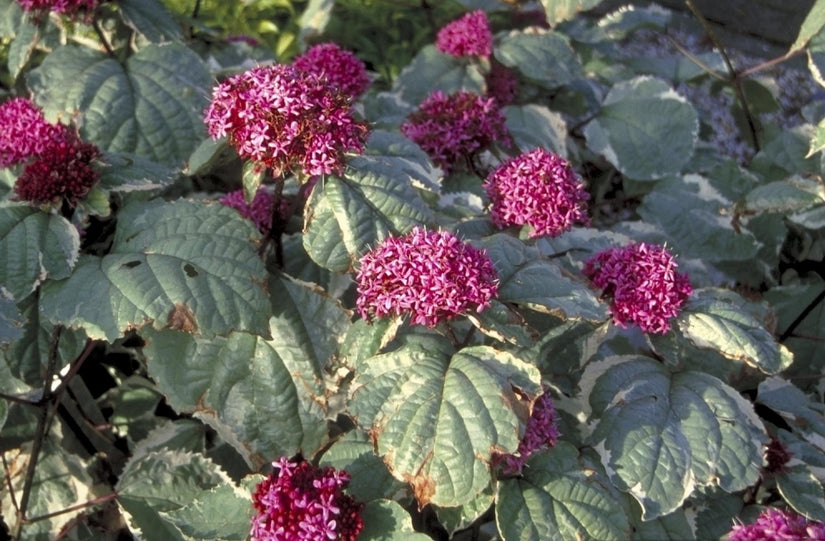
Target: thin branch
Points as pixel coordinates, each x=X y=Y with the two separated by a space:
x=734 y=79
x=75 y=367
x=696 y=60
x=18 y=399
x=7 y=471
x=43 y=418
x=770 y=63
x=96 y=501
x=801 y=317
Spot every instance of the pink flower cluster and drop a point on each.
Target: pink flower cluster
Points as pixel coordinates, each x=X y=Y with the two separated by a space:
x=468 y=36
x=339 y=68
x=449 y=128
x=778 y=525
x=259 y=211
x=431 y=275
x=58 y=164
x=541 y=433
x=642 y=281
x=304 y=503
x=502 y=84
x=285 y=119
x=539 y=189
x=64 y=7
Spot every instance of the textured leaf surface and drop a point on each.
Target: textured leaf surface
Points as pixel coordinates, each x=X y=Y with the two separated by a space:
x=151 y=106
x=432 y=70
x=790 y=195
x=539 y=284
x=535 y=126
x=369 y=477
x=183 y=265
x=34 y=246
x=436 y=416
x=151 y=19
x=561 y=10
x=406 y=156
x=661 y=434
x=799 y=410
x=124 y=172
x=547 y=58
x=559 y=499
x=697 y=220
x=719 y=322
x=348 y=215
x=803 y=491
x=386 y=520
x=812 y=25
x=11 y=321
x=645 y=129
x=223 y=379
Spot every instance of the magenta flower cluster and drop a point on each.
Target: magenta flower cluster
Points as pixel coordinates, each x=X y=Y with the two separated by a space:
x=778 y=525
x=454 y=127
x=58 y=164
x=642 y=283
x=430 y=275
x=541 y=433
x=64 y=7
x=468 y=36
x=286 y=119
x=539 y=189
x=304 y=503
x=502 y=84
x=259 y=211
x=339 y=68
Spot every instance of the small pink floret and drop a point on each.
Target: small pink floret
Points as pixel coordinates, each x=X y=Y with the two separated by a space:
x=338 y=67
x=778 y=525
x=468 y=36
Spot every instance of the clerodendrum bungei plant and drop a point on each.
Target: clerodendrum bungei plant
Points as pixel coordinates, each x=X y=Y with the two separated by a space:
x=510 y=283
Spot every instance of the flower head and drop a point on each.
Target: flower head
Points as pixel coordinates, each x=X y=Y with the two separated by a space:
x=304 y=503
x=452 y=127
x=337 y=67
x=778 y=525
x=777 y=456
x=24 y=131
x=69 y=8
x=259 y=211
x=61 y=171
x=539 y=189
x=541 y=432
x=502 y=84
x=285 y=119
x=643 y=283
x=468 y=36
x=431 y=275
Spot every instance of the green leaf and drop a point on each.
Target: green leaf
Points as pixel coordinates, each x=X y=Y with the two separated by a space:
x=406 y=156
x=222 y=380
x=11 y=321
x=803 y=491
x=314 y=19
x=786 y=154
x=693 y=215
x=558 y=499
x=719 y=322
x=790 y=195
x=536 y=283
x=125 y=172
x=432 y=70
x=802 y=413
x=675 y=526
x=535 y=126
x=812 y=25
x=437 y=416
x=20 y=50
x=369 y=477
x=789 y=302
x=222 y=512
x=817 y=139
x=183 y=265
x=645 y=129
x=367 y=338
x=27 y=356
x=252 y=178
x=562 y=10
x=661 y=434
x=151 y=19
x=621 y=23
x=151 y=106
x=35 y=247
x=386 y=520
x=348 y=215
x=546 y=59
x=153 y=485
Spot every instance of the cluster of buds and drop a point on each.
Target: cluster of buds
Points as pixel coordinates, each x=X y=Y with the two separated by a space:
x=70 y=8
x=540 y=433
x=58 y=165
x=778 y=525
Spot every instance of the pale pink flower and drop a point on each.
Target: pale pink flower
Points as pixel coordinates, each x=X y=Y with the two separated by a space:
x=539 y=189
x=430 y=275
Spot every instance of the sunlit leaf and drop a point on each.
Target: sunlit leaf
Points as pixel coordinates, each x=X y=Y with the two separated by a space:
x=547 y=58
x=432 y=70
